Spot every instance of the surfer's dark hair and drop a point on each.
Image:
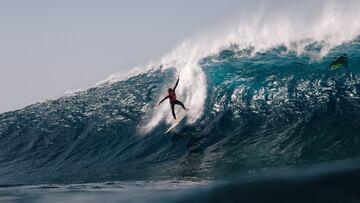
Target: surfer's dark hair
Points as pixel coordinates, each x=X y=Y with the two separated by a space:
x=170 y=90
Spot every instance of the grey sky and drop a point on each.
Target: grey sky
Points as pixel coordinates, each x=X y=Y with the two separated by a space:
x=49 y=47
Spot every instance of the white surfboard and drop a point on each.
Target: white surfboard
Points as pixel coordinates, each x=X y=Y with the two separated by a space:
x=180 y=117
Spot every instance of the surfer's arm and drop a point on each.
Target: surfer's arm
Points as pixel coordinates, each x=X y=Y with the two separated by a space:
x=176 y=84
x=163 y=100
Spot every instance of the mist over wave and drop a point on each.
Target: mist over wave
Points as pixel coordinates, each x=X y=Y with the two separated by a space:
x=332 y=24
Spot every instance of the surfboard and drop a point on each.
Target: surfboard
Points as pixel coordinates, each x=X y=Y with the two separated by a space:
x=180 y=117
x=336 y=66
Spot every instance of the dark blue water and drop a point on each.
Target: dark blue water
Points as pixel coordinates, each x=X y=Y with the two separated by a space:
x=266 y=112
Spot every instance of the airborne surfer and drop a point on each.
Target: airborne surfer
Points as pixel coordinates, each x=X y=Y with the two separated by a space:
x=172 y=98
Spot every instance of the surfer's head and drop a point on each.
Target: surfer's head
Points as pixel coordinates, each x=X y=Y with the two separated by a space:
x=170 y=90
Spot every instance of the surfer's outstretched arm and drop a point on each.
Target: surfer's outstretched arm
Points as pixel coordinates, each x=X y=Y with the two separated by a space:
x=163 y=100
x=177 y=82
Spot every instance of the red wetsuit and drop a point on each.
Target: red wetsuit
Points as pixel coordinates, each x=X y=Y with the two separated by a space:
x=172 y=97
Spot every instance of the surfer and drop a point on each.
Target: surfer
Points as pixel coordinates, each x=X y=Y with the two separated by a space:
x=172 y=97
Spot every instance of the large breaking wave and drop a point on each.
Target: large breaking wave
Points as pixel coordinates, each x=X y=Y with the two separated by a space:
x=260 y=97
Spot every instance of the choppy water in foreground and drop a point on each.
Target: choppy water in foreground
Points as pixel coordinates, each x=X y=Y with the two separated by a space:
x=332 y=182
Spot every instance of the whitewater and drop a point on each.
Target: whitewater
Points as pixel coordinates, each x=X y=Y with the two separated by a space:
x=267 y=119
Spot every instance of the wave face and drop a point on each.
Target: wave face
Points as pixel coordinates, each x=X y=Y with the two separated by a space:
x=261 y=110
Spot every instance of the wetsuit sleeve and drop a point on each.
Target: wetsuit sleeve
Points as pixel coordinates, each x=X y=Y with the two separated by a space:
x=163 y=99
x=176 y=84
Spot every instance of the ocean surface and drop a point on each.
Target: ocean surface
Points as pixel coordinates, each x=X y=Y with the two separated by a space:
x=269 y=124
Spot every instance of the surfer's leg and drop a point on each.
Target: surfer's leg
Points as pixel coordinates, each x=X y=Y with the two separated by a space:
x=180 y=103
x=173 y=109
